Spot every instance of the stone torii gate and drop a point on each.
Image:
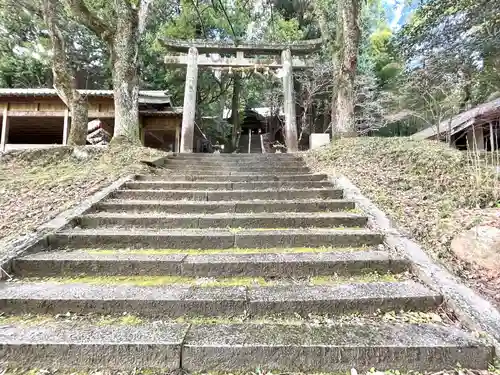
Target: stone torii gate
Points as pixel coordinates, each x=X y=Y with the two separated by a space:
x=208 y=54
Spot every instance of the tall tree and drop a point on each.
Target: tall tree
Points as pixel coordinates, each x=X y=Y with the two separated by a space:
x=348 y=33
x=65 y=81
x=119 y=24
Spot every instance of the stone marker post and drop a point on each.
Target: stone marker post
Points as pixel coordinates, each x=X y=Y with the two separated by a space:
x=289 y=102
x=189 y=108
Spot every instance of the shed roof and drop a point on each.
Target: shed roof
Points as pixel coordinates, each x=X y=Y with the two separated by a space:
x=145 y=96
x=480 y=114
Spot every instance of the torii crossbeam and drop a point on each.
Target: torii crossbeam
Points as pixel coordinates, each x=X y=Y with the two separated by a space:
x=282 y=59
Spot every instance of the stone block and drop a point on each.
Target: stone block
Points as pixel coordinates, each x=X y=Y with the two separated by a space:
x=166 y=301
x=284 y=265
x=70 y=346
x=307 y=238
x=310 y=349
x=316 y=140
x=74 y=263
x=342 y=299
x=119 y=239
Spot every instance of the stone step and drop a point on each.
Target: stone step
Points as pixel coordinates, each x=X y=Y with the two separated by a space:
x=229 y=195
x=240 y=156
x=234 y=163
x=213 y=239
x=225 y=264
x=333 y=349
x=243 y=347
x=180 y=299
x=197 y=185
x=233 y=178
x=116 y=205
x=234 y=171
x=232 y=220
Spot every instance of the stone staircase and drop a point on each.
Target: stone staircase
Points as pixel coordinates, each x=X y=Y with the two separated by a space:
x=255 y=144
x=226 y=263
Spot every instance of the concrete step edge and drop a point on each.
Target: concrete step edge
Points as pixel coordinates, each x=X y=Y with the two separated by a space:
x=244 y=347
x=233 y=206
x=228 y=264
x=213 y=238
x=180 y=299
x=232 y=178
x=337 y=219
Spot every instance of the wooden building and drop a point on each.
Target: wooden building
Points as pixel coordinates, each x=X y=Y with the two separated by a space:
x=476 y=129
x=34 y=118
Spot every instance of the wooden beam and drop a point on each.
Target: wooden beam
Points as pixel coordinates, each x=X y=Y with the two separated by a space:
x=236 y=62
x=92 y=114
x=5 y=128
x=65 y=127
x=303 y=47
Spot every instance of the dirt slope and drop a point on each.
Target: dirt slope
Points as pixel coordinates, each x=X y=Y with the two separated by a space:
x=431 y=190
x=36 y=185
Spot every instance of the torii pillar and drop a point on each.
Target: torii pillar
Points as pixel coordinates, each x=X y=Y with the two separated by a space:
x=189 y=108
x=289 y=102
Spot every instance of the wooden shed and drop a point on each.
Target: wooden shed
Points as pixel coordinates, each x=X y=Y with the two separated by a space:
x=477 y=128
x=34 y=118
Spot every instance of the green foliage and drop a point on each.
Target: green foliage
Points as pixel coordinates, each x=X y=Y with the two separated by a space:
x=285 y=30
x=456 y=37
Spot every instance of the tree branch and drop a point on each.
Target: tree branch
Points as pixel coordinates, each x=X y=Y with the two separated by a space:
x=197 y=10
x=91 y=20
x=144 y=7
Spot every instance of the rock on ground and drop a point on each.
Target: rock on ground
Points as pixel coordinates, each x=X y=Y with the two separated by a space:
x=479 y=245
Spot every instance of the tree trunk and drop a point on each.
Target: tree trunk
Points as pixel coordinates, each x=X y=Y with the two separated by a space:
x=348 y=36
x=124 y=60
x=235 y=107
x=79 y=121
x=65 y=78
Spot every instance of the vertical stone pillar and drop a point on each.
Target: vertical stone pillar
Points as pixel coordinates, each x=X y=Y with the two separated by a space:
x=289 y=102
x=65 y=128
x=5 y=128
x=189 y=108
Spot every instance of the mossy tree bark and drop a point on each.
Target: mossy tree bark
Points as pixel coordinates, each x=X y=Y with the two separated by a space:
x=64 y=76
x=235 y=107
x=120 y=30
x=124 y=60
x=348 y=38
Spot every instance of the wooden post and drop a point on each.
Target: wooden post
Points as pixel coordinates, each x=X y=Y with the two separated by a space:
x=289 y=103
x=5 y=128
x=66 y=127
x=492 y=137
x=177 y=138
x=189 y=108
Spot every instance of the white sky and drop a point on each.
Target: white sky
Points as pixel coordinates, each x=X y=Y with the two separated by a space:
x=398 y=6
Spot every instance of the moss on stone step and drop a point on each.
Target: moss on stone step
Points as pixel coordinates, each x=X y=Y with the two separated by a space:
x=364 y=276
x=408 y=317
x=292 y=250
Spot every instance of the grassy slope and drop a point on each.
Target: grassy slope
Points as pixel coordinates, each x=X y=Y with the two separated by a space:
x=432 y=191
x=36 y=185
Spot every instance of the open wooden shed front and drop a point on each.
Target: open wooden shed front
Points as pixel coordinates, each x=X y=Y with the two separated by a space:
x=34 y=118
